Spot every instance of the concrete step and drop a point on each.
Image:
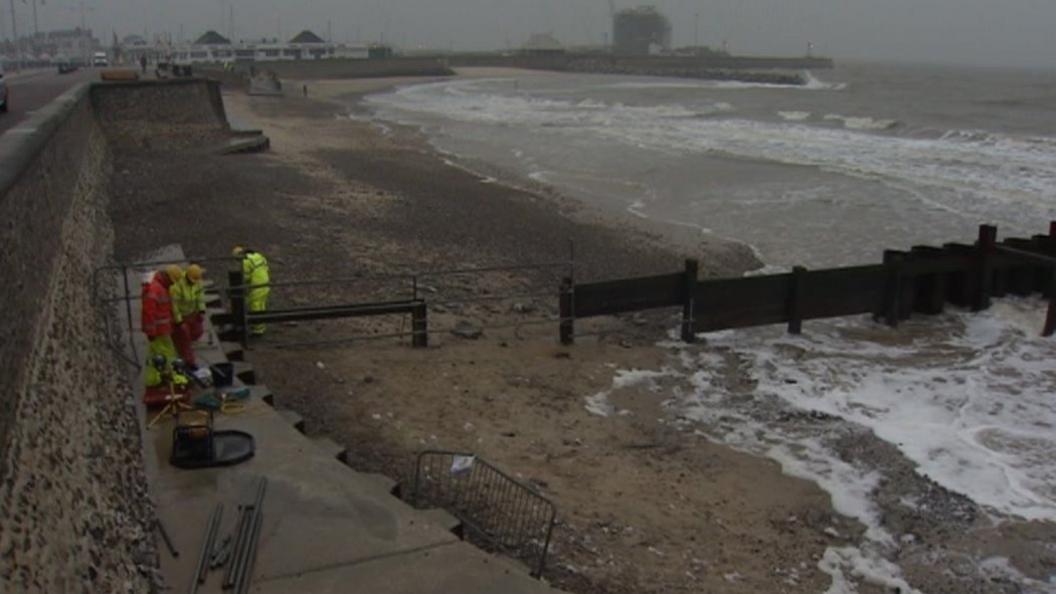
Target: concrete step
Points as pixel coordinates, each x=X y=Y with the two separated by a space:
x=233 y=351
x=245 y=372
x=331 y=447
x=245 y=131
x=292 y=418
x=226 y=332
x=246 y=144
x=262 y=393
x=378 y=481
x=444 y=519
x=218 y=316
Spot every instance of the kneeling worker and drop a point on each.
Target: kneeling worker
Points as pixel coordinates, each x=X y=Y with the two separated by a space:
x=157 y=322
x=255 y=274
x=188 y=300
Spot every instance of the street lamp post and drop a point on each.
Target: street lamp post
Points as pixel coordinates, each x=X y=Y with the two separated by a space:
x=14 y=36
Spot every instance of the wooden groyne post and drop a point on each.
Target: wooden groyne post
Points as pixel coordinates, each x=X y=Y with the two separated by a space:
x=688 y=305
x=566 y=307
x=1050 y=317
x=985 y=272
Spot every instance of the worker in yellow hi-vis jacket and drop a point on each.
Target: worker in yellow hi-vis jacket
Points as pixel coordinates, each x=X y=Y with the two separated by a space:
x=157 y=324
x=188 y=310
x=254 y=273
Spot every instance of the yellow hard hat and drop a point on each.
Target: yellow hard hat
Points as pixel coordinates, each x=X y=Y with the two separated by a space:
x=194 y=273
x=174 y=272
x=237 y=251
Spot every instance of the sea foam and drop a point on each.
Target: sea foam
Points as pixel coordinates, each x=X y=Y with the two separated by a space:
x=1011 y=179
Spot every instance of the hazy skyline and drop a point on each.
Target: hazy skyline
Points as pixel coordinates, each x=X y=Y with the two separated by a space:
x=1017 y=32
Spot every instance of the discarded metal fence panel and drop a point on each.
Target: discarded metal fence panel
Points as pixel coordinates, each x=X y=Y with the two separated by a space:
x=496 y=510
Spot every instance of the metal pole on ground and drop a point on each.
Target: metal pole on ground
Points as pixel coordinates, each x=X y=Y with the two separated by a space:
x=128 y=312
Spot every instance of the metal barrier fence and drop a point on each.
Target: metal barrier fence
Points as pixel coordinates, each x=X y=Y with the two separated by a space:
x=498 y=510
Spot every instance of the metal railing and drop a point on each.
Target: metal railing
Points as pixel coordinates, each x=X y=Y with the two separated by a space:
x=411 y=286
x=498 y=510
x=416 y=303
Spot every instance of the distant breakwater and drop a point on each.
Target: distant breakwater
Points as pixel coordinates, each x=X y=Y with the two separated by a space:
x=766 y=70
x=695 y=72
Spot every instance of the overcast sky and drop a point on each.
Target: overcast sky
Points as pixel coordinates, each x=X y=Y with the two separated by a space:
x=992 y=32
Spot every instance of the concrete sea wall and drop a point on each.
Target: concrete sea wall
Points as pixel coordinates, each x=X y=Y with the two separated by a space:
x=74 y=510
x=174 y=113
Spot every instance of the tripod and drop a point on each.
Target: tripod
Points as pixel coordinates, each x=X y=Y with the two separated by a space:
x=173 y=403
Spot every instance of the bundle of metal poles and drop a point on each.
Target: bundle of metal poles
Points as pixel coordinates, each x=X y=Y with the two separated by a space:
x=239 y=557
x=211 y=528
x=247 y=534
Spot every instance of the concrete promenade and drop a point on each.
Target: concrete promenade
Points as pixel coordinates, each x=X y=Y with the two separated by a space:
x=326 y=528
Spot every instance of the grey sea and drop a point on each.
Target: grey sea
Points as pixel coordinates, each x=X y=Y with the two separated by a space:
x=864 y=157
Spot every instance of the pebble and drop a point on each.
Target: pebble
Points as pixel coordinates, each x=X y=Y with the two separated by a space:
x=467 y=330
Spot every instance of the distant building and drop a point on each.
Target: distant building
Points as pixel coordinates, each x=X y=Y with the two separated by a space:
x=212 y=38
x=133 y=41
x=379 y=51
x=542 y=44
x=307 y=37
x=640 y=31
x=66 y=45
x=131 y=48
x=212 y=47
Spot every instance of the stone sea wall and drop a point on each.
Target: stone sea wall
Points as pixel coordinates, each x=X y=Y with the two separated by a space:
x=75 y=515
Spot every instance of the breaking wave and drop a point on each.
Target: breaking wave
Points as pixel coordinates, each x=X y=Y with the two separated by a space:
x=862 y=123
x=982 y=176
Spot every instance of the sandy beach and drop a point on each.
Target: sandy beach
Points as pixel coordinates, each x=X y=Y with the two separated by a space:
x=646 y=502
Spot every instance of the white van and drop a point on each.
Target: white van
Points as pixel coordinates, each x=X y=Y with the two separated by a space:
x=3 y=90
x=100 y=59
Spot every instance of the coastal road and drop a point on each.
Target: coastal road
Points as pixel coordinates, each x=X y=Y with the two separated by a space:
x=32 y=89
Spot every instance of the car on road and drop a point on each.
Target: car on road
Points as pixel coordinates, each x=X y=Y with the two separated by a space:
x=4 y=95
x=99 y=59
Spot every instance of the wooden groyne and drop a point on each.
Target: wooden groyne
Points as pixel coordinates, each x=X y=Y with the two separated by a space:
x=922 y=280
